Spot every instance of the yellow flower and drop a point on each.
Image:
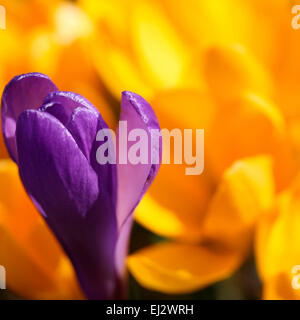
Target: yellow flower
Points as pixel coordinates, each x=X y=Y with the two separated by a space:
x=211 y=218
x=224 y=235
x=148 y=46
x=217 y=65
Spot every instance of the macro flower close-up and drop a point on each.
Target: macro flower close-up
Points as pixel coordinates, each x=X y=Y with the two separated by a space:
x=167 y=168
x=53 y=138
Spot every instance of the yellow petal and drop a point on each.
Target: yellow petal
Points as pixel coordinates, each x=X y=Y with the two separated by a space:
x=110 y=17
x=254 y=24
x=160 y=53
x=177 y=201
x=49 y=56
x=35 y=263
x=288 y=67
x=29 y=14
x=231 y=70
x=13 y=60
x=245 y=191
x=249 y=126
x=177 y=268
x=28 y=280
x=70 y=23
x=111 y=49
x=184 y=108
x=204 y=23
x=118 y=70
x=277 y=245
x=136 y=48
x=280 y=288
x=294 y=134
x=166 y=222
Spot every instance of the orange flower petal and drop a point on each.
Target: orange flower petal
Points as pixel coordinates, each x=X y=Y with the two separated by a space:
x=36 y=265
x=249 y=126
x=231 y=70
x=177 y=268
x=177 y=201
x=277 y=245
x=245 y=191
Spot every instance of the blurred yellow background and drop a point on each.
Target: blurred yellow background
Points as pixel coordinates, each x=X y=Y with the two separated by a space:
x=228 y=66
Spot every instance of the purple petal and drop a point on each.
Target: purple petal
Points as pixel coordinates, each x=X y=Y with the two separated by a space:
x=22 y=92
x=122 y=251
x=78 y=115
x=83 y=125
x=107 y=174
x=58 y=175
x=49 y=162
x=134 y=180
x=69 y=101
x=57 y=110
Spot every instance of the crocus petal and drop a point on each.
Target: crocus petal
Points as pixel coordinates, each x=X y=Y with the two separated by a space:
x=180 y=268
x=233 y=137
x=83 y=126
x=57 y=110
x=121 y=255
x=287 y=76
x=78 y=115
x=294 y=134
x=245 y=192
x=60 y=178
x=157 y=46
x=56 y=147
x=254 y=24
x=69 y=101
x=277 y=245
x=118 y=70
x=166 y=222
x=110 y=56
x=48 y=140
x=232 y=70
x=23 y=92
x=139 y=115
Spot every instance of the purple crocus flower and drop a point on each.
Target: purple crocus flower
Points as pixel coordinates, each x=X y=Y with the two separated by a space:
x=51 y=135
